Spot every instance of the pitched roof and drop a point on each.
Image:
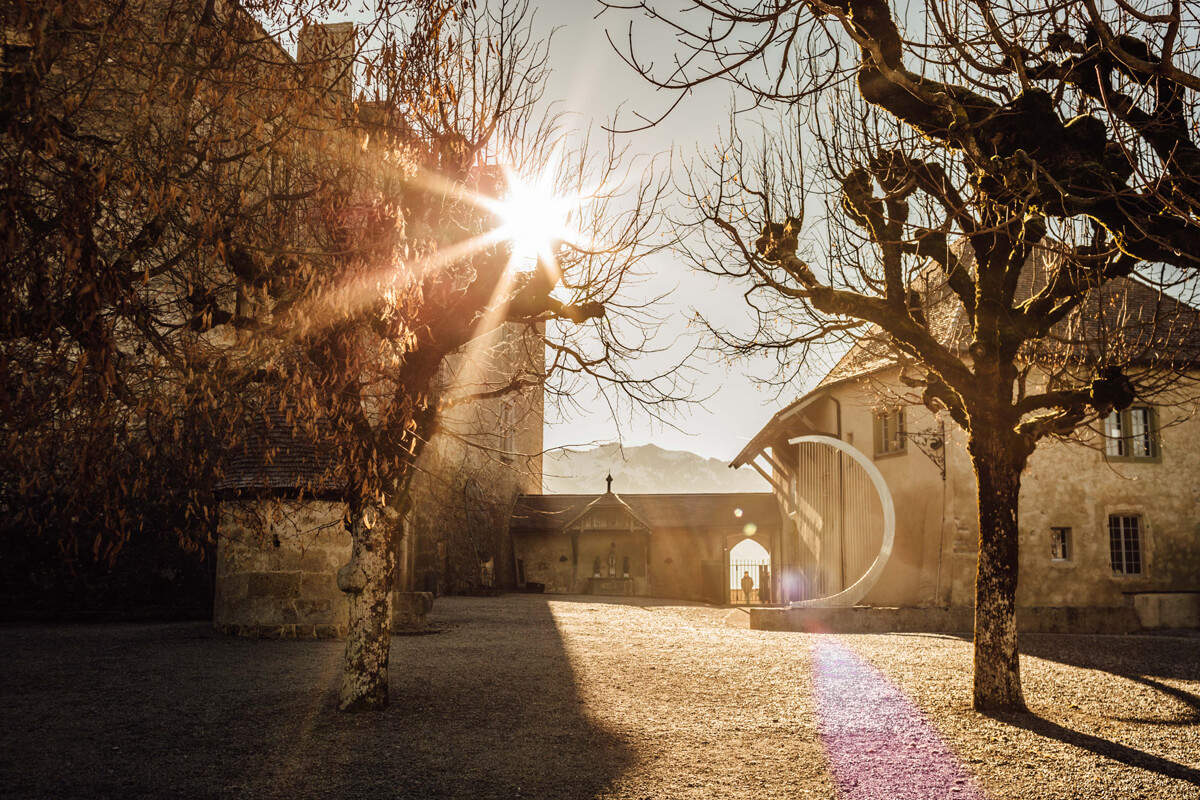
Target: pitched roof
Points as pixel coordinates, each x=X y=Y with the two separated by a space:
x=553 y=512
x=278 y=455
x=1132 y=322
x=870 y=353
x=1126 y=316
x=608 y=500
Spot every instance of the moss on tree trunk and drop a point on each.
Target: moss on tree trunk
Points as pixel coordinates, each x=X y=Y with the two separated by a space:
x=368 y=580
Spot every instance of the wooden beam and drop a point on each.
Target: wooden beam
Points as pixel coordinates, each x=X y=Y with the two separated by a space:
x=774 y=464
x=768 y=477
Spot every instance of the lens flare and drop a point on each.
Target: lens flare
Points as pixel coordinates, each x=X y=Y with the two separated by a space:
x=534 y=220
x=879 y=744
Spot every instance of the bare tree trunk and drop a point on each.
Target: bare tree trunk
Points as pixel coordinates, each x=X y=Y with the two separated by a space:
x=368 y=580
x=998 y=461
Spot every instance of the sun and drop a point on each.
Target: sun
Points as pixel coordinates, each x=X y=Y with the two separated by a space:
x=534 y=220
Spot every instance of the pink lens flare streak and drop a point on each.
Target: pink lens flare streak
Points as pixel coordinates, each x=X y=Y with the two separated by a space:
x=880 y=745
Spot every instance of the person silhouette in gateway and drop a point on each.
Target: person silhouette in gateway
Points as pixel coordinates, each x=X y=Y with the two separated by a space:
x=747 y=586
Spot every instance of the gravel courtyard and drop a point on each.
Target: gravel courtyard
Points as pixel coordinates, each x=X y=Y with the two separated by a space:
x=533 y=696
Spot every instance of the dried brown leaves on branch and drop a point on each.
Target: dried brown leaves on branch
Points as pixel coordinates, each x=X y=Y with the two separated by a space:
x=219 y=217
x=1031 y=169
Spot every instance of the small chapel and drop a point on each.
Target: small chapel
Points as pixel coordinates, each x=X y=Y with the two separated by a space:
x=643 y=545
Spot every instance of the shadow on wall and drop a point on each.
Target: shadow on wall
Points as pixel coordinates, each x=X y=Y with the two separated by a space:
x=488 y=708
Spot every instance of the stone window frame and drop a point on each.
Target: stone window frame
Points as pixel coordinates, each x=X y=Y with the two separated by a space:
x=891 y=442
x=1119 y=439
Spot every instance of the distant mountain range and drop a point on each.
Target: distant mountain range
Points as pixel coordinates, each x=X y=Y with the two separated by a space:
x=644 y=469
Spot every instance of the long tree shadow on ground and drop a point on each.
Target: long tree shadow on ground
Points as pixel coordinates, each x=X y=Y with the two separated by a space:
x=488 y=708
x=1116 y=751
x=1142 y=659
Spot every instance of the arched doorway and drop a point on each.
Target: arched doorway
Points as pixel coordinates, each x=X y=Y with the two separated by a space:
x=749 y=574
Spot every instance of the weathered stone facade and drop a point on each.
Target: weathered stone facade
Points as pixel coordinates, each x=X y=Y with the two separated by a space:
x=278 y=556
x=456 y=536
x=277 y=562
x=1074 y=487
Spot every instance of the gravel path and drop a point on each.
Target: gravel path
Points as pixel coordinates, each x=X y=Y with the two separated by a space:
x=531 y=696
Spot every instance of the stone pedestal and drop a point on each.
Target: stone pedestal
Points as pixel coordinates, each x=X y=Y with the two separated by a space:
x=409 y=610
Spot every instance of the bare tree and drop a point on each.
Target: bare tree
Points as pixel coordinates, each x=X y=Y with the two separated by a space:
x=200 y=227
x=1024 y=163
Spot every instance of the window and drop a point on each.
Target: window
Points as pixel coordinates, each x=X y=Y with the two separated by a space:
x=1060 y=544
x=1124 y=537
x=508 y=435
x=1131 y=434
x=889 y=432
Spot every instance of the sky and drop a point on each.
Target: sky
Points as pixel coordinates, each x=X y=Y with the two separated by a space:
x=591 y=83
x=590 y=86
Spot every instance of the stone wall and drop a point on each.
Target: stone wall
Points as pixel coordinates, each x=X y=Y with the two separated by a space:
x=456 y=536
x=1069 y=485
x=676 y=556
x=675 y=562
x=277 y=563
x=549 y=559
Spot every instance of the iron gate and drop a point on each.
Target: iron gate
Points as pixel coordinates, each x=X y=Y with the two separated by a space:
x=759 y=584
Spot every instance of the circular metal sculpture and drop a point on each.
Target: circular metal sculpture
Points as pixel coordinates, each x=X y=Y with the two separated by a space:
x=840 y=511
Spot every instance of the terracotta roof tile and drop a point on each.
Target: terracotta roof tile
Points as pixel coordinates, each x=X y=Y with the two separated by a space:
x=277 y=455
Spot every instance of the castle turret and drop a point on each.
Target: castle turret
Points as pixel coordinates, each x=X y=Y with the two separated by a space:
x=329 y=51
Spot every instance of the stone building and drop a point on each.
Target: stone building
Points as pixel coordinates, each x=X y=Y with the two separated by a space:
x=1110 y=535
x=281 y=537
x=250 y=130
x=486 y=453
x=649 y=545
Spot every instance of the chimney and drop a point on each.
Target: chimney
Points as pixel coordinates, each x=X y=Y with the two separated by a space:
x=327 y=51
